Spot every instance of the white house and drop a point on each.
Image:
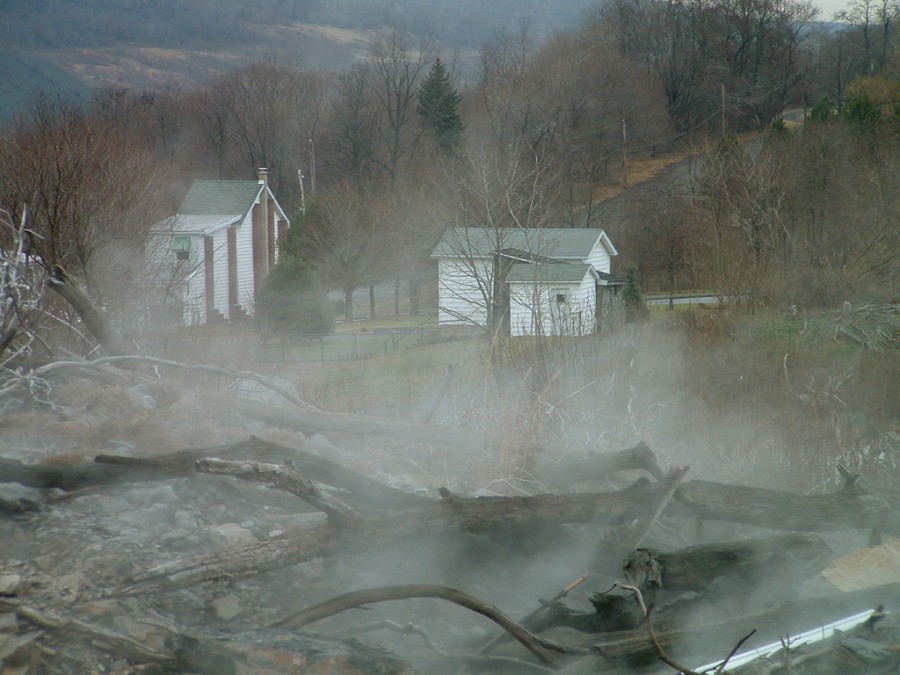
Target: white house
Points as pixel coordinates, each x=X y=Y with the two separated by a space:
x=209 y=259
x=547 y=281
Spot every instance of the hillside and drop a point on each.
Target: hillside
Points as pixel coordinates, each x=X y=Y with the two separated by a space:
x=69 y=48
x=24 y=75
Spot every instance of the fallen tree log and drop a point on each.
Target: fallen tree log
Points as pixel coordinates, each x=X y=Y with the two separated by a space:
x=857 y=505
x=558 y=477
x=488 y=515
x=739 y=567
x=263 y=651
x=116 y=469
x=483 y=515
x=695 y=568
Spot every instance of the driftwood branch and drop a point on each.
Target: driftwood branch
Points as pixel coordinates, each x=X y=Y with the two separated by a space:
x=111 y=469
x=636 y=534
x=559 y=477
x=692 y=643
x=92 y=314
x=859 y=505
x=541 y=648
x=413 y=629
x=647 y=611
x=121 y=644
x=286 y=478
x=695 y=568
x=330 y=422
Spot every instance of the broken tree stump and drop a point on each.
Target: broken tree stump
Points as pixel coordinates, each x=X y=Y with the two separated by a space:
x=695 y=568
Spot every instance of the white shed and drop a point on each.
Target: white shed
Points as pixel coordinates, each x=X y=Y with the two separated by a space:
x=543 y=280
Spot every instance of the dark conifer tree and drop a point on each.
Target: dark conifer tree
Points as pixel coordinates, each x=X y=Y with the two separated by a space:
x=438 y=108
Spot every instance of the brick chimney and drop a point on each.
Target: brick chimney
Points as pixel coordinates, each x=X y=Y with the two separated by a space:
x=260 y=223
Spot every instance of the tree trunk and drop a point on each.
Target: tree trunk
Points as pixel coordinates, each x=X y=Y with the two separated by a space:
x=348 y=306
x=413 y=297
x=92 y=314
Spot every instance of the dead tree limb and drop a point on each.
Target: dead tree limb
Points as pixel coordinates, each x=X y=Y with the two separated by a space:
x=283 y=477
x=190 y=367
x=361 y=490
x=695 y=568
x=92 y=314
x=413 y=629
x=636 y=534
x=858 y=505
x=542 y=649
x=698 y=643
x=121 y=644
x=346 y=423
x=543 y=607
x=559 y=477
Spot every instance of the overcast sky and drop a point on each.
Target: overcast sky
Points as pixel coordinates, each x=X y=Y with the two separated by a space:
x=828 y=8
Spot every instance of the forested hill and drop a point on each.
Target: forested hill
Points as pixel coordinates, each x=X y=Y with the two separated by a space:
x=71 y=46
x=41 y=24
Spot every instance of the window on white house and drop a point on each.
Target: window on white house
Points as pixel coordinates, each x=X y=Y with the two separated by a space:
x=560 y=298
x=181 y=246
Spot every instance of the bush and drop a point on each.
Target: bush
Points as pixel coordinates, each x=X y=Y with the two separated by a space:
x=292 y=300
x=634 y=302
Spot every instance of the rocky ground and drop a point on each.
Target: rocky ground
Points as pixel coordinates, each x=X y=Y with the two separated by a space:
x=66 y=557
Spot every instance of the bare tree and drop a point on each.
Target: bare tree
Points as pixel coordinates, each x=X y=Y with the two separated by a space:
x=351 y=135
x=21 y=291
x=398 y=63
x=91 y=191
x=269 y=112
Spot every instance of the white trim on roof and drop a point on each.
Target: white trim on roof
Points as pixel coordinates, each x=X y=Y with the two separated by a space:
x=180 y=224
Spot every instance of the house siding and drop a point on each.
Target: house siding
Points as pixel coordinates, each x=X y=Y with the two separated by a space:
x=599 y=257
x=245 y=265
x=533 y=309
x=460 y=297
x=220 y=271
x=532 y=303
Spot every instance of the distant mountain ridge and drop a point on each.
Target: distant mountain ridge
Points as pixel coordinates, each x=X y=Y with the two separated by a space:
x=69 y=47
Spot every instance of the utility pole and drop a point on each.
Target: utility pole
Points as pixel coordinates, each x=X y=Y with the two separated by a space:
x=302 y=195
x=312 y=167
x=723 y=108
x=624 y=155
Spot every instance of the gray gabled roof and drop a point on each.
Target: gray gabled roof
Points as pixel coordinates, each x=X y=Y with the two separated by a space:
x=560 y=243
x=556 y=273
x=220 y=197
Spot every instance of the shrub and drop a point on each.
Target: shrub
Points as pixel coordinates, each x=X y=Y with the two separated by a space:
x=293 y=301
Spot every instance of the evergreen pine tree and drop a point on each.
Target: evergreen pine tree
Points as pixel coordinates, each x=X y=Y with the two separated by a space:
x=438 y=107
x=634 y=301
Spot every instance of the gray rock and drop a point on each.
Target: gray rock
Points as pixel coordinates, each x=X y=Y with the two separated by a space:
x=19 y=497
x=227 y=607
x=10 y=584
x=8 y=623
x=231 y=535
x=18 y=653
